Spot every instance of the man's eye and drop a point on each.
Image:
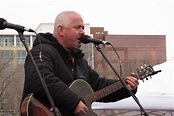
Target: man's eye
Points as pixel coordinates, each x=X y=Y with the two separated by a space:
x=79 y=27
x=83 y=27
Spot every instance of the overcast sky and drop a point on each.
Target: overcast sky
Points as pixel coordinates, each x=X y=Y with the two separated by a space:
x=142 y=17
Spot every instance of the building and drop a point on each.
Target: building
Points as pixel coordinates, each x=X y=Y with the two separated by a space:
x=11 y=46
x=131 y=51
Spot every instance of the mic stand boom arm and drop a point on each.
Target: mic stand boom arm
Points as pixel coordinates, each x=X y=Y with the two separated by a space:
x=54 y=109
x=122 y=81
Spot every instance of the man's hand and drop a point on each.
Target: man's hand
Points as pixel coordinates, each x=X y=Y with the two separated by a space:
x=132 y=82
x=81 y=109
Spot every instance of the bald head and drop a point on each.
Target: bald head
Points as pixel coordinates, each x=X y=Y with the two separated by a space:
x=64 y=19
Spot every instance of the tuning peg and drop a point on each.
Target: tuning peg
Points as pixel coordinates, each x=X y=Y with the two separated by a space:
x=137 y=68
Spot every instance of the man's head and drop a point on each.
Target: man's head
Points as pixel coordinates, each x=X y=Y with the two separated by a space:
x=68 y=27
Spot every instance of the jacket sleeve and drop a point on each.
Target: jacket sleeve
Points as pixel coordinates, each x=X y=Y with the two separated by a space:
x=60 y=92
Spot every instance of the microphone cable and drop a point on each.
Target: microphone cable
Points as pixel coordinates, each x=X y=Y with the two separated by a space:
x=120 y=62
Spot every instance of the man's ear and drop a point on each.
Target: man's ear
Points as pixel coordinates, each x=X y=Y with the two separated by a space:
x=60 y=30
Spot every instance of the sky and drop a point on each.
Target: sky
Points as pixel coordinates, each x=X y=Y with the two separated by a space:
x=131 y=17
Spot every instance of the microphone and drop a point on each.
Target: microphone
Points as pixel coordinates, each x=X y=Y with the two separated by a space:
x=4 y=24
x=87 y=39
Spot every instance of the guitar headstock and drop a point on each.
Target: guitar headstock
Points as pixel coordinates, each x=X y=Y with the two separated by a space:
x=145 y=71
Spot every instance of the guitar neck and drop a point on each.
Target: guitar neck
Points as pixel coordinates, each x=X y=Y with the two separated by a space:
x=142 y=73
x=103 y=92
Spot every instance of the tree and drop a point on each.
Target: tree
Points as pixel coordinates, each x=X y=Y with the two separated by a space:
x=11 y=82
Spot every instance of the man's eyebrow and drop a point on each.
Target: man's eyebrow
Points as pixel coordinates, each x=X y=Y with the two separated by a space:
x=80 y=26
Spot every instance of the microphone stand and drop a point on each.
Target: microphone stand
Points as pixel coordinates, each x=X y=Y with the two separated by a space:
x=54 y=109
x=122 y=81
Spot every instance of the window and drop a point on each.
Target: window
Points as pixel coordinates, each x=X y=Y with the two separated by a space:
x=7 y=57
x=97 y=32
x=6 y=40
x=21 y=56
x=34 y=37
x=19 y=42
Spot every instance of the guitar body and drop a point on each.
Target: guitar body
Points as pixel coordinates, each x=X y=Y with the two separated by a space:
x=34 y=107
x=82 y=88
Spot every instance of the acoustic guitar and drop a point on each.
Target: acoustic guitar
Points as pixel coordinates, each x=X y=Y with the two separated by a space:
x=32 y=106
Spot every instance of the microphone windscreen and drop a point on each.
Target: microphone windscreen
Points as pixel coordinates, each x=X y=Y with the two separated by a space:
x=1 y=23
x=84 y=39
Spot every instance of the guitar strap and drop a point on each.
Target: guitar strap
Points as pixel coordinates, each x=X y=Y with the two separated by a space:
x=80 y=74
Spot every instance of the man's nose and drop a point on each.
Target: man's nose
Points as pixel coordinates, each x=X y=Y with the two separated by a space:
x=82 y=31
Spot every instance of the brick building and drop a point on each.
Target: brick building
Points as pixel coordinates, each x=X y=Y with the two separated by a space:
x=132 y=50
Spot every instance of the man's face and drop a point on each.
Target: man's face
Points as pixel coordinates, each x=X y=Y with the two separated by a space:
x=73 y=32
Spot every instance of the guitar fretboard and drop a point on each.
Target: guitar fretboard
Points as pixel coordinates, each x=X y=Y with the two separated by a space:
x=103 y=92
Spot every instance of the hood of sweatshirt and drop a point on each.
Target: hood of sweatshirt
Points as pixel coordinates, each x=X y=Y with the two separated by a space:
x=48 y=38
